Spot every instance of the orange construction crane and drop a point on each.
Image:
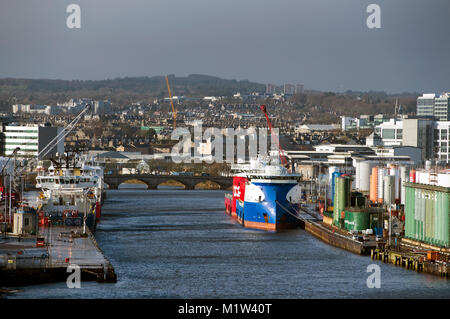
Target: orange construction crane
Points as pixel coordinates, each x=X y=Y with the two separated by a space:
x=274 y=137
x=171 y=103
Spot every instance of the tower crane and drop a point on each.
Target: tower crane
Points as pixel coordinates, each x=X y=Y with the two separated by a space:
x=171 y=103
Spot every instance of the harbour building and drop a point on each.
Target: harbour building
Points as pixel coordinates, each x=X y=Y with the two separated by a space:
x=30 y=139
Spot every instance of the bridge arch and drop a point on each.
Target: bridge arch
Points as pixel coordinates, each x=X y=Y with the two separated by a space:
x=172 y=182
x=208 y=184
x=134 y=182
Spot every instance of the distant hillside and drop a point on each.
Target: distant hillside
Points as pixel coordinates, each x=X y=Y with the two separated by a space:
x=123 y=89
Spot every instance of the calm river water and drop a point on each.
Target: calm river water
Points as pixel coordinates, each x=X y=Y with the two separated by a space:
x=180 y=244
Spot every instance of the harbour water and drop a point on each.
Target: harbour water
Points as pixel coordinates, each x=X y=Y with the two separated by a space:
x=180 y=244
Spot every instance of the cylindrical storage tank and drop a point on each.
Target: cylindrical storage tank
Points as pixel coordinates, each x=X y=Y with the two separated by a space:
x=355 y=163
x=427 y=165
x=404 y=177
x=412 y=176
x=423 y=177
x=357 y=174
x=364 y=176
x=341 y=197
x=330 y=190
x=389 y=189
x=380 y=192
x=419 y=177
x=348 y=220
x=373 y=195
x=333 y=186
x=443 y=180
x=331 y=170
x=338 y=198
x=395 y=171
x=361 y=220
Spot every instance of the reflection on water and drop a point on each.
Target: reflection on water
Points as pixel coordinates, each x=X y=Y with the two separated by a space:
x=179 y=243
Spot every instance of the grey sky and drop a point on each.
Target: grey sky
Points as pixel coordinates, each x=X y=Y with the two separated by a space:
x=324 y=44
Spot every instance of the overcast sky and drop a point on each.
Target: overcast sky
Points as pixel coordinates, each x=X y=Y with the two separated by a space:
x=324 y=44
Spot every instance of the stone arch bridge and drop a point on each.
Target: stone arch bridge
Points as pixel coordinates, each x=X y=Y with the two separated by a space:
x=152 y=181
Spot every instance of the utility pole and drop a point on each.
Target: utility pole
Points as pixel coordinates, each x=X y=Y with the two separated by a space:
x=390 y=224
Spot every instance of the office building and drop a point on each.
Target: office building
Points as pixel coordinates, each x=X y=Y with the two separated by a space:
x=441 y=141
x=434 y=105
x=31 y=139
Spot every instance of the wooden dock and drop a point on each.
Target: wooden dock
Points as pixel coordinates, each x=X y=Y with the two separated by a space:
x=412 y=260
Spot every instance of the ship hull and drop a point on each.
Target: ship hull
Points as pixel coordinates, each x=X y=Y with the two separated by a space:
x=267 y=205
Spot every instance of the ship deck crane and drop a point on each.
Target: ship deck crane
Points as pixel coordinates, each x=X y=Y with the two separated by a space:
x=61 y=135
x=274 y=137
x=174 y=112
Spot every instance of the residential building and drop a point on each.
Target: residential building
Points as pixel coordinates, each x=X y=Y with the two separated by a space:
x=348 y=123
x=271 y=88
x=32 y=109
x=291 y=89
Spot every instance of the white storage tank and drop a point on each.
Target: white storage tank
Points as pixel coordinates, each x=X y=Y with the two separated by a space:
x=365 y=168
x=389 y=189
x=381 y=173
x=404 y=177
x=423 y=177
x=357 y=164
x=443 y=179
x=427 y=165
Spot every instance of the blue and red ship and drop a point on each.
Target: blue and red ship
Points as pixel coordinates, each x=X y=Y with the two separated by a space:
x=264 y=197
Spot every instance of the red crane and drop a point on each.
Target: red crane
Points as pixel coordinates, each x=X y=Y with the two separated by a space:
x=274 y=137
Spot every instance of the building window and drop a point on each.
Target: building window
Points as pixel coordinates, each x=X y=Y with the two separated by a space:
x=388 y=134
x=443 y=134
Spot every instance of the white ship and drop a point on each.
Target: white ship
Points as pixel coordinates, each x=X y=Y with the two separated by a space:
x=72 y=190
